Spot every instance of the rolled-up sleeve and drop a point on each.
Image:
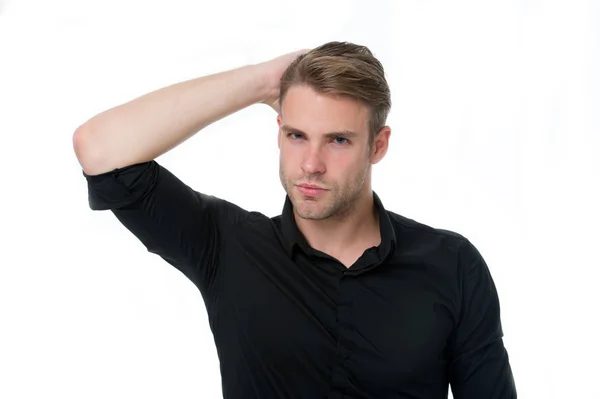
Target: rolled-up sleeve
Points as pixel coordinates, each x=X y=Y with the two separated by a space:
x=479 y=367
x=184 y=227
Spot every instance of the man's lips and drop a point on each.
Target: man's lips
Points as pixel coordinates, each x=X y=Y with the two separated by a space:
x=311 y=186
x=310 y=190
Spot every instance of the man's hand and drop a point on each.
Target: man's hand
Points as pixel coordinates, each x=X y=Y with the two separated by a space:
x=274 y=70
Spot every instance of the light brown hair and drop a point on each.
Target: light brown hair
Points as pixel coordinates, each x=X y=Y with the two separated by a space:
x=343 y=69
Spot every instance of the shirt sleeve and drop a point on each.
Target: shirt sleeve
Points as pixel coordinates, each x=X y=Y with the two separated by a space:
x=479 y=367
x=184 y=227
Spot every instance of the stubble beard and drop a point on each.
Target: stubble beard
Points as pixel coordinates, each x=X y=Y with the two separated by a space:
x=338 y=202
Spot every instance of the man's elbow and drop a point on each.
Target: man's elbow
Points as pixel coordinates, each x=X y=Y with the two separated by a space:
x=86 y=152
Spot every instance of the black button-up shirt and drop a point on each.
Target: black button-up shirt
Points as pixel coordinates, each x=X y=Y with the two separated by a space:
x=414 y=315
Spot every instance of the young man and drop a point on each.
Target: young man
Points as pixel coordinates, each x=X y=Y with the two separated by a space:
x=335 y=298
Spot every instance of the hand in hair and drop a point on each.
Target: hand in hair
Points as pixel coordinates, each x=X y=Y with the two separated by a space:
x=274 y=69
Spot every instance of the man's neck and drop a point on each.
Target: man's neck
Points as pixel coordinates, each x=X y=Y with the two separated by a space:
x=348 y=234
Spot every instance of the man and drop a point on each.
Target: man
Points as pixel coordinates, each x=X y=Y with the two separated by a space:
x=335 y=298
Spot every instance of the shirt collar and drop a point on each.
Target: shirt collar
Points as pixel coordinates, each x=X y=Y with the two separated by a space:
x=295 y=239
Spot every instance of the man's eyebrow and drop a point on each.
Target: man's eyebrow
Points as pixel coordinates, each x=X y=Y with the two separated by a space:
x=341 y=133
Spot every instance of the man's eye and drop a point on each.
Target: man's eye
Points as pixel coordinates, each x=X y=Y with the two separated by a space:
x=344 y=140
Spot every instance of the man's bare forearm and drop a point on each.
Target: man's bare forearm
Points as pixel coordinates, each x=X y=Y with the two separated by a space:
x=148 y=126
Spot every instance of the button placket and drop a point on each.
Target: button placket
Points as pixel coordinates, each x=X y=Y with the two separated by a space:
x=344 y=330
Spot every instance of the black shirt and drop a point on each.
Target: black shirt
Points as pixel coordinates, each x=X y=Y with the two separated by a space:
x=411 y=317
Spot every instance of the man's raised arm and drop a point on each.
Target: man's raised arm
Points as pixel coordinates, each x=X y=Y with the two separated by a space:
x=116 y=150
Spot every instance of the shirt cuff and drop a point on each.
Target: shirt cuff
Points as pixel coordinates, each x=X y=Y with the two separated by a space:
x=121 y=187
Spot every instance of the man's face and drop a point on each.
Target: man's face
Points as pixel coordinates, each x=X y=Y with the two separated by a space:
x=337 y=163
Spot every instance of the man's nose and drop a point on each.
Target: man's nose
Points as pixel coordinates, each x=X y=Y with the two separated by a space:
x=313 y=161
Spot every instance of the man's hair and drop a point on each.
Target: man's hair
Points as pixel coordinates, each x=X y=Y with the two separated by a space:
x=343 y=69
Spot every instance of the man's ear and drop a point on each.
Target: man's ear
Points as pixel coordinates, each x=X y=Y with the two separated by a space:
x=380 y=146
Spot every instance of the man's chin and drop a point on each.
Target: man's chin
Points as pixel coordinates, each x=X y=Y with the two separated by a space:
x=308 y=215
x=311 y=209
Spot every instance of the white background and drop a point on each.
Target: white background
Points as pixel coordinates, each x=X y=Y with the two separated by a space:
x=495 y=135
